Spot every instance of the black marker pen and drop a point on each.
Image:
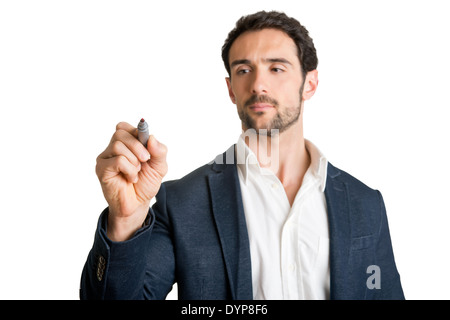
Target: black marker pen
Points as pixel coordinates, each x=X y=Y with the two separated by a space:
x=143 y=132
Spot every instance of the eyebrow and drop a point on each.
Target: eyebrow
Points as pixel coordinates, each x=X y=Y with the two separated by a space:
x=241 y=61
x=267 y=60
x=278 y=60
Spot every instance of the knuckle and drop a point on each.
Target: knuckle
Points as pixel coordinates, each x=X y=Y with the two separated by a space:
x=120 y=125
x=99 y=169
x=116 y=146
x=98 y=163
x=118 y=134
x=120 y=160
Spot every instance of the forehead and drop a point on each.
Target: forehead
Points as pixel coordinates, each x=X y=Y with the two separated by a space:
x=266 y=43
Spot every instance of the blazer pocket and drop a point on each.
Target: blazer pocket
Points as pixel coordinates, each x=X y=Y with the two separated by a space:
x=363 y=242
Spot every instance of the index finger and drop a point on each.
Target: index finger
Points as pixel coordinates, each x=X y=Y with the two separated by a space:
x=128 y=128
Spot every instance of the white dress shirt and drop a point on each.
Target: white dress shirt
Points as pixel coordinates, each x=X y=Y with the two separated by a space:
x=289 y=246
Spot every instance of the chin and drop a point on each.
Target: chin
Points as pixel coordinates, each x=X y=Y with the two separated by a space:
x=265 y=130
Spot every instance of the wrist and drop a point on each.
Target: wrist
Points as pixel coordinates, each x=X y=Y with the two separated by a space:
x=123 y=228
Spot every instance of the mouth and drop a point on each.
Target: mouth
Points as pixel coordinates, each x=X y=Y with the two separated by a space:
x=260 y=107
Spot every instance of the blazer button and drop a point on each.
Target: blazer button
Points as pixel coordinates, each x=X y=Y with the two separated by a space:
x=101 y=268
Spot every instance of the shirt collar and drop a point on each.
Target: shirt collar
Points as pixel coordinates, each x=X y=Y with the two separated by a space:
x=245 y=158
x=319 y=164
x=247 y=161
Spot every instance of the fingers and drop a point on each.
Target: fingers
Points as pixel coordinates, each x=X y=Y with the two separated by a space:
x=125 y=154
x=133 y=144
x=118 y=148
x=127 y=127
x=111 y=167
x=124 y=142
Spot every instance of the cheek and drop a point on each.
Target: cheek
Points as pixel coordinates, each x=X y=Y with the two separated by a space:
x=238 y=84
x=288 y=92
x=239 y=91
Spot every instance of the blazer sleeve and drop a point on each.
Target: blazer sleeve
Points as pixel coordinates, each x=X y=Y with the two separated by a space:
x=391 y=288
x=139 y=268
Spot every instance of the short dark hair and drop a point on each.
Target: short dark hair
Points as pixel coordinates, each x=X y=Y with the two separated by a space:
x=275 y=20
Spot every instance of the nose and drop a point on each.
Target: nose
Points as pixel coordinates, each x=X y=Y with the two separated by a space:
x=259 y=83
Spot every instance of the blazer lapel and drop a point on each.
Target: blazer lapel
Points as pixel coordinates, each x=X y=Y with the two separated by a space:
x=229 y=216
x=340 y=235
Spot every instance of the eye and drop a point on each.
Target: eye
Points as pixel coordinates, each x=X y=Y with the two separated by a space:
x=277 y=70
x=243 y=71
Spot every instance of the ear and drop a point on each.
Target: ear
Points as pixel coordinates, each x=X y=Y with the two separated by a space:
x=230 y=90
x=311 y=83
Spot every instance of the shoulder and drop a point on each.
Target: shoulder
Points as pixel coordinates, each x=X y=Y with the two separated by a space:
x=362 y=200
x=365 y=205
x=197 y=180
x=354 y=185
x=194 y=179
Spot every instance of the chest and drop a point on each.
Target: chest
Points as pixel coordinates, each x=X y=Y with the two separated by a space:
x=289 y=240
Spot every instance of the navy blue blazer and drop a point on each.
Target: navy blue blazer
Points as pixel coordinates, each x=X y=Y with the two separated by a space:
x=197 y=237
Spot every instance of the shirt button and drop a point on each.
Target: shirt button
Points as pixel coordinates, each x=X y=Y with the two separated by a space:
x=275 y=186
x=291 y=267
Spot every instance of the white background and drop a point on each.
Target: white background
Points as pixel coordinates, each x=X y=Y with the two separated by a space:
x=71 y=70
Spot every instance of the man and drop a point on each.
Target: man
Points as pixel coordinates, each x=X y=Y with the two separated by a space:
x=271 y=218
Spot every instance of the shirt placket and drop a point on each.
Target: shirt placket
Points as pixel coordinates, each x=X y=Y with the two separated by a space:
x=289 y=264
x=290 y=249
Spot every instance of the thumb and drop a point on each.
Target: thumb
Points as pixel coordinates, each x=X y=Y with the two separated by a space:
x=158 y=154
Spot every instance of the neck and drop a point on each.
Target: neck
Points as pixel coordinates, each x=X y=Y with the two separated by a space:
x=285 y=155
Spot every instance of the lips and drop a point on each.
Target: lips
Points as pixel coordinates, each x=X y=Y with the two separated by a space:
x=261 y=107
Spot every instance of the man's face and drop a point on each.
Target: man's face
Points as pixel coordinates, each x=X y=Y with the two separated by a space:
x=266 y=81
